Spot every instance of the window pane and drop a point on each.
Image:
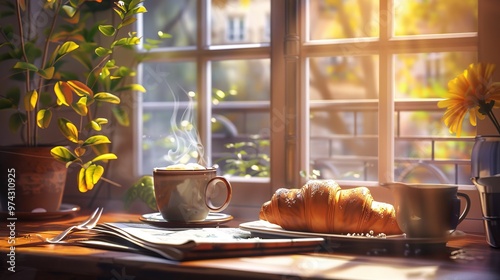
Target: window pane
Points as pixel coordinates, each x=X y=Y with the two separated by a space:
x=343 y=116
x=167 y=86
x=425 y=150
x=426 y=75
x=434 y=17
x=240 y=22
x=177 y=18
x=241 y=92
x=343 y=19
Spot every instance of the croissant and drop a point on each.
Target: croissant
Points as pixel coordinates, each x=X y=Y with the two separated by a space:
x=322 y=206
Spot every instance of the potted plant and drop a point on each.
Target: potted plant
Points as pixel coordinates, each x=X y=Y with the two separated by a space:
x=67 y=78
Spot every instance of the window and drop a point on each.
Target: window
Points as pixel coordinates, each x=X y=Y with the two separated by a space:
x=345 y=87
x=235 y=29
x=362 y=67
x=214 y=71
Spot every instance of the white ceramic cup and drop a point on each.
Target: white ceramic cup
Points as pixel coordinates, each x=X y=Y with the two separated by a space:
x=186 y=195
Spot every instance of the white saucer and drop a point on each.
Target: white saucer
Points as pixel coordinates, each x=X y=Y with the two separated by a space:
x=213 y=219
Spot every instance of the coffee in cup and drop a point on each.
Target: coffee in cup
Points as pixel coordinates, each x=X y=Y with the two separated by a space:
x=185 y=193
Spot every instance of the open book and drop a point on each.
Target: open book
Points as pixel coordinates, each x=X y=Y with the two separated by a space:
x=194 y=243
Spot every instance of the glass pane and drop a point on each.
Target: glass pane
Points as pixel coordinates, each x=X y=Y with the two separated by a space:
x=157 y=77
x=434 y=16
x=240 y=22
x=240 y=116
x=426 y=75
x=177 y=18
x=343 y=19
x=343 y=78
x=343 y=116
x=168 y=113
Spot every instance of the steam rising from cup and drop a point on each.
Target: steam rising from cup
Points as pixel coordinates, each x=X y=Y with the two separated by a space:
x=186 y=138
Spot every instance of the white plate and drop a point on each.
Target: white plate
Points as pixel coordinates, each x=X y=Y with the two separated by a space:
x=64 y=210
x=265 y=228
x=213 y=219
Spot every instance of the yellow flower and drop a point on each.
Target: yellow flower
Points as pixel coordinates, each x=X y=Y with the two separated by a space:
x=471 y=92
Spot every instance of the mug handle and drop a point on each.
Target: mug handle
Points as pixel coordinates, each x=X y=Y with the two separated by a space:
x=212 y=182
x=467 y=206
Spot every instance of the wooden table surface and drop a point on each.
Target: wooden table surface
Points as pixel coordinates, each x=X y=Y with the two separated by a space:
x=468 y=257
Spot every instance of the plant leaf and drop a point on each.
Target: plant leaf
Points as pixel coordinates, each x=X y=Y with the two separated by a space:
x=16 y=120
x=92 y=175
x=63 y=93
x=25 y=66
x=127 y=21
x=100 y=51
x=80 y=107
x=43 y=118
x=46 y=73
x=6 y=103
x=69 y=10
x=30 y=100
x=136 y=87
x=105 y=157
x=95 y=140
x=82 y=185
x=68 y=129
x=121 y=115
x=107 y=97
x=63 y=154
x=80 y=88
x=107 y=29
x=67 y=47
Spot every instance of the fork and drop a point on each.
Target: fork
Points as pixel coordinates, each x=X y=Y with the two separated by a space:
x=85 y=225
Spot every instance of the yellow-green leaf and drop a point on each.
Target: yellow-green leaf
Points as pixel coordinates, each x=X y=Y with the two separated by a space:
x=95 y=126
x=69 y=10
x=82 y=185
x=107 y=29
x=67 y=47
x=92 y=175
x=95 y=140
x=68 y=129
x=107 y=97
x=47 y=73
x=30 y=100
x=80 y=88
x=63 y=93
x=25 y=66
x=127 y=21
x=100 y=51
x=80 y=107
x=43 y=118
x=62 y=154
x=119 y=12
x=121 y=115
x=140 y=9
x=105 y=157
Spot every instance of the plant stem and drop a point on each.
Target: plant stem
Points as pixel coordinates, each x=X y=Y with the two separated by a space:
x=44 y=61
x=27 y=84
x=494 y=120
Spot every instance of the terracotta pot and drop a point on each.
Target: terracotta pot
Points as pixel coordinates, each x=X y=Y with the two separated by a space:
x=32 y=180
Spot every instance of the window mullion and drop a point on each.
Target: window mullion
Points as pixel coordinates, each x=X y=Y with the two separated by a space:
x=204 y=81
x=386 y=97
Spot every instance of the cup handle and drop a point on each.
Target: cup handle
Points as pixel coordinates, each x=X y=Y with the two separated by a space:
x=212 y=182
x=467 y=206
